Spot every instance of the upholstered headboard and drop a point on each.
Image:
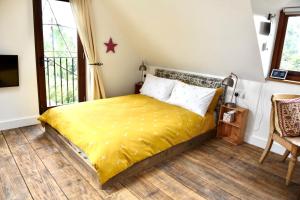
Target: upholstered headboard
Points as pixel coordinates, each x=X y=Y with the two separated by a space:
x=193 y=79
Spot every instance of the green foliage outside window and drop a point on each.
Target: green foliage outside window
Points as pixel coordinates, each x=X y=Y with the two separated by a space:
x=60 y=53
x=291 y=50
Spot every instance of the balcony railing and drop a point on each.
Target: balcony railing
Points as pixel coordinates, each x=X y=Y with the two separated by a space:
x=61 y=80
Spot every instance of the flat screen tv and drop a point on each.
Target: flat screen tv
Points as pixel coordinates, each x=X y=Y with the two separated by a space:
x=9 y=72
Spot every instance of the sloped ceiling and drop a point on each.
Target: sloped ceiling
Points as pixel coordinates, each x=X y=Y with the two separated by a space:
x=260 y=7
x=207 y=36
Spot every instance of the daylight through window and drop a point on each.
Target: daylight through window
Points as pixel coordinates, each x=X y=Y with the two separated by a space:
x=286 y=53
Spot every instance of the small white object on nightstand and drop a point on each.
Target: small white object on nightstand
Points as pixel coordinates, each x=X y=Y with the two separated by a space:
x=228 y=116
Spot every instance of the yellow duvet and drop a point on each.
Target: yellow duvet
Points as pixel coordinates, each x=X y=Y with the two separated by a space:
x=117 y=132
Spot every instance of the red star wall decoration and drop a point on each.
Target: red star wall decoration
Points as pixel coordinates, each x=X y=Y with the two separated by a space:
x=110 y=46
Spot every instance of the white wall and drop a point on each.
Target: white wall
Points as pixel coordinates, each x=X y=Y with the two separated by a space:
x=261 y=9
x=120 y=70
x=210 y=37
x=168 y=33
x=258 y=100
x=258 y=95
x=18 y=105
x=215 y=37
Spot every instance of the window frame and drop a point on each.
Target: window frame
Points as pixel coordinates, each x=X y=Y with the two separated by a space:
x=39 y=55
x=278 y=47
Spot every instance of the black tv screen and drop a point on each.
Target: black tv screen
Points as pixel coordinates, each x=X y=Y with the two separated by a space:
x=9 y=72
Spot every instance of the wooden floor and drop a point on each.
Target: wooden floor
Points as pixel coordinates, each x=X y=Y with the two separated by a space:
x=32 y=168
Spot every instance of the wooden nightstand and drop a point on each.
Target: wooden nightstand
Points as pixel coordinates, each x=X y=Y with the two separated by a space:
x=233 y=132
x=138 y=86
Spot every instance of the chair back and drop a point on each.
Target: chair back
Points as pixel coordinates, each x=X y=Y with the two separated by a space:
x=274 y=116
x=276 y=97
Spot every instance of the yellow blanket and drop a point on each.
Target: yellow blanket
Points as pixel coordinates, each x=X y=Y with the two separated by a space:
x=117 y=132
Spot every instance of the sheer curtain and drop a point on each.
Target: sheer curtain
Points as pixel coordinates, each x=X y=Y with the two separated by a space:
x=82 y=14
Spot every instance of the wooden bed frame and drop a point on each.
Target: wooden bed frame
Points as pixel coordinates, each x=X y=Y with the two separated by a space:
x=83 y=165
x=75 y=155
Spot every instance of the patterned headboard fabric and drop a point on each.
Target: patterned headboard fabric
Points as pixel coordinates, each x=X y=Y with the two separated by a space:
x=193 y=79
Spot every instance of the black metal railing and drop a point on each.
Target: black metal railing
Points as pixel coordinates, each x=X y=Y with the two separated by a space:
x=61 y=80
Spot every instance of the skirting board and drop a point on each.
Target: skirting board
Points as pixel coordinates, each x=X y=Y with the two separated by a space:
x=19 y=122
x=261 y=142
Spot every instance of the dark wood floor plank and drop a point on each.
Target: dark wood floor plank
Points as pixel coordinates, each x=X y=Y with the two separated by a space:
x=272 y=162
x=40 y=141
x=58 y=164
x=67 y=177
x=123 y=193
x=196 y=181
x=170 y=186
x=4 y=150
x=55 y=162
x=79 y=166
x=36 y=176
x=214 y=170
x=12 y=185
x=32 y=132
x=246 y=160
x=74 y=185
x=243 y=174
x=35 y=135
x=215 y=185
x=109 y=193
x=144 y=189
x=14 y=137
x=251 y=155
x=216 y=175
x=47 y=151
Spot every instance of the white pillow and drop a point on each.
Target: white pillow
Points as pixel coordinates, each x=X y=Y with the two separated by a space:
x=193 y=98
x=158 y=88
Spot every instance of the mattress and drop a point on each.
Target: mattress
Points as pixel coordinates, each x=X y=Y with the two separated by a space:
x=116 y=133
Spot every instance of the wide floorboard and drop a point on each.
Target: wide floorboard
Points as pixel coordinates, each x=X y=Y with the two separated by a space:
x=31 y=167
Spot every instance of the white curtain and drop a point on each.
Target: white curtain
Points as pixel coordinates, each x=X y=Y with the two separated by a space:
x=82 y=14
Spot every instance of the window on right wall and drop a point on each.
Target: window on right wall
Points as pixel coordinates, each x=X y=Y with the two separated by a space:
x=286 y=55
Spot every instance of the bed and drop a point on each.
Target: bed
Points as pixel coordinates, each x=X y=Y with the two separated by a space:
x=118 y=137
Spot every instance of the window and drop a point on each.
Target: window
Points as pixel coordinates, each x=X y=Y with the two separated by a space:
x=286 y=54
x=59 y=54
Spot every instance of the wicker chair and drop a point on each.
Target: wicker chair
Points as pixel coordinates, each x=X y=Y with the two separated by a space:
x=292 y=144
